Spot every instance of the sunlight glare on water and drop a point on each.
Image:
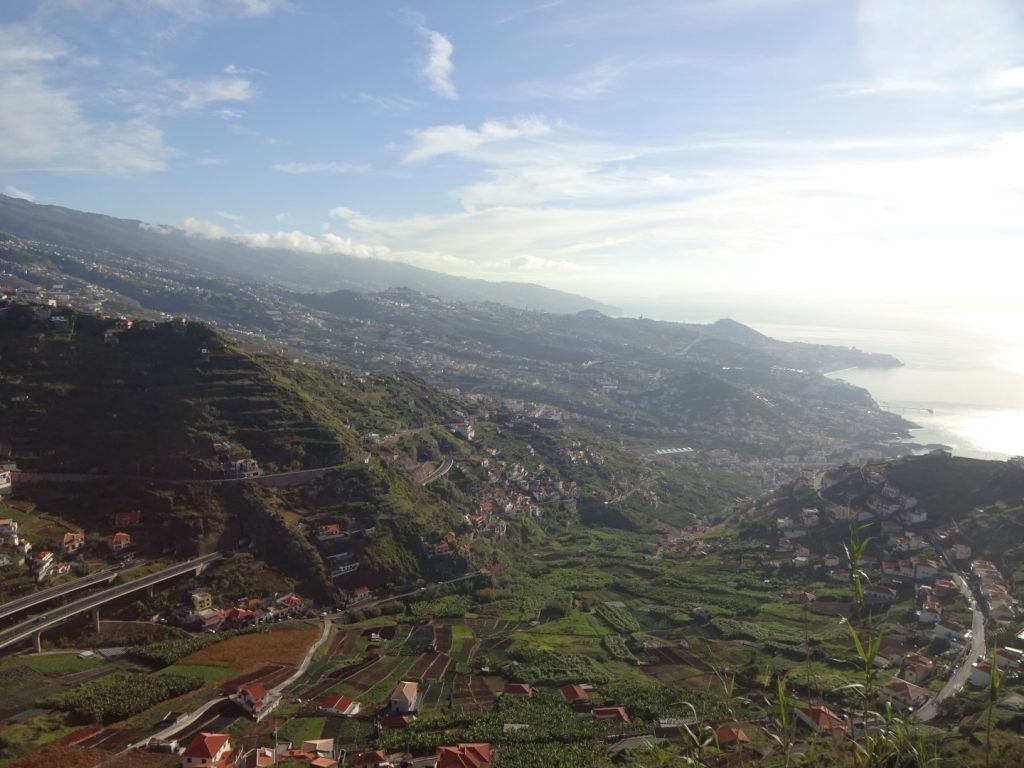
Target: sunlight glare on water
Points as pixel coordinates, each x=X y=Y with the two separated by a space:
x=998 y=431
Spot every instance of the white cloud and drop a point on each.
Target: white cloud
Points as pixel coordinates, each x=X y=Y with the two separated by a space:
x=19 y=194
x=887 y=86
x=20 y=45
x=784 y=216
x=1006 y=79
x=341 y=212
x=438 y=68
x=332 y=167
x=198 y=94
x=460 y=140
x=594 y=81
x=260 y=7
x=42 y=127
x=201 y=228
x=232 y=217
x=910 y=41
x=192 y=11
x=392 y=103
x=234 y=70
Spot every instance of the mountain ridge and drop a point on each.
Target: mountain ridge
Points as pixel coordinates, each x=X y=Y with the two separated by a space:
x=172 y=248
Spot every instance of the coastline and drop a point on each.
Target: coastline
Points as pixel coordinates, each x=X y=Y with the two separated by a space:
x=971 y=430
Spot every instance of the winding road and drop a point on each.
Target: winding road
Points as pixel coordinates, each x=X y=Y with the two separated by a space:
x=446 y=464
x=976 y=650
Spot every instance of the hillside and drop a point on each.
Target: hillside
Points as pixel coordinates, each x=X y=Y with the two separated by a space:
x=982 y=501
x=761 y=406
x=170 y=250
x=148 y=417
x=79 y=395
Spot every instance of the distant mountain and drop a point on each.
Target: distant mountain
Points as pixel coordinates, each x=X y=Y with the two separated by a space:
x=168 y=248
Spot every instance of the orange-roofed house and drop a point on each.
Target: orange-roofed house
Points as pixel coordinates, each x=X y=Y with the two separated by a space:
x=345 y=706
x=614 y=714
x=72 y=542
x=464 y=756
x=323 y=762
x=207 y=749
x=574 y=695
x=726 y=736
x=822 y=720
x=518 y=689
x=119 y=541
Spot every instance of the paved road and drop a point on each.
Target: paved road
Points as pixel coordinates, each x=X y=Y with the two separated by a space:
x=977 y=649
x=446 y=465
x=306 y=661
x=169 y=731
x=52 y=593
x=276 y=480
x=26 y=629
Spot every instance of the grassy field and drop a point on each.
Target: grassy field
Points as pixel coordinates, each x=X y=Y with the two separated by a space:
x=300 y=729
x=57 y=664
x=578 y=632
x=41 y=530
x=210 y=674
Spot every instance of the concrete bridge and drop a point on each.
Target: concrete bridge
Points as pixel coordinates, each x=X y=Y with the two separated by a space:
x=33 y=628
x=43 y=596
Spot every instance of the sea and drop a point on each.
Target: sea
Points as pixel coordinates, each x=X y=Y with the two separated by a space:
x=962 y=381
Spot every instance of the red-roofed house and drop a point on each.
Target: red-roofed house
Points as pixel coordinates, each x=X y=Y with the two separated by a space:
x=129 y=519
x=344 y=706
x=359 y=594
x=822 y=720
x=364 y=759
x=464 y=756
x=207 y=749
x=518 y=689
x=256 y=700
x=726 y=736
x=262 y=757
x=329 y=531
x=614 y=714
x=574 y=695
x=239 y=616
x=903 y=694
x=119 y=541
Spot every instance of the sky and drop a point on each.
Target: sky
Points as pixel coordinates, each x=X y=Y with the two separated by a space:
x=831 y=152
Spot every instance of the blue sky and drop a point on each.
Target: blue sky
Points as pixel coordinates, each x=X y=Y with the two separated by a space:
x=828 y=148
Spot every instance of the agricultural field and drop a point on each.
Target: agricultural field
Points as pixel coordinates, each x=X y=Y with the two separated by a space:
x=285 y=645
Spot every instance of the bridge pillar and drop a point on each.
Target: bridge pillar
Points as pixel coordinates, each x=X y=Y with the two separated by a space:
x=96 y=619
x=37 y=638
